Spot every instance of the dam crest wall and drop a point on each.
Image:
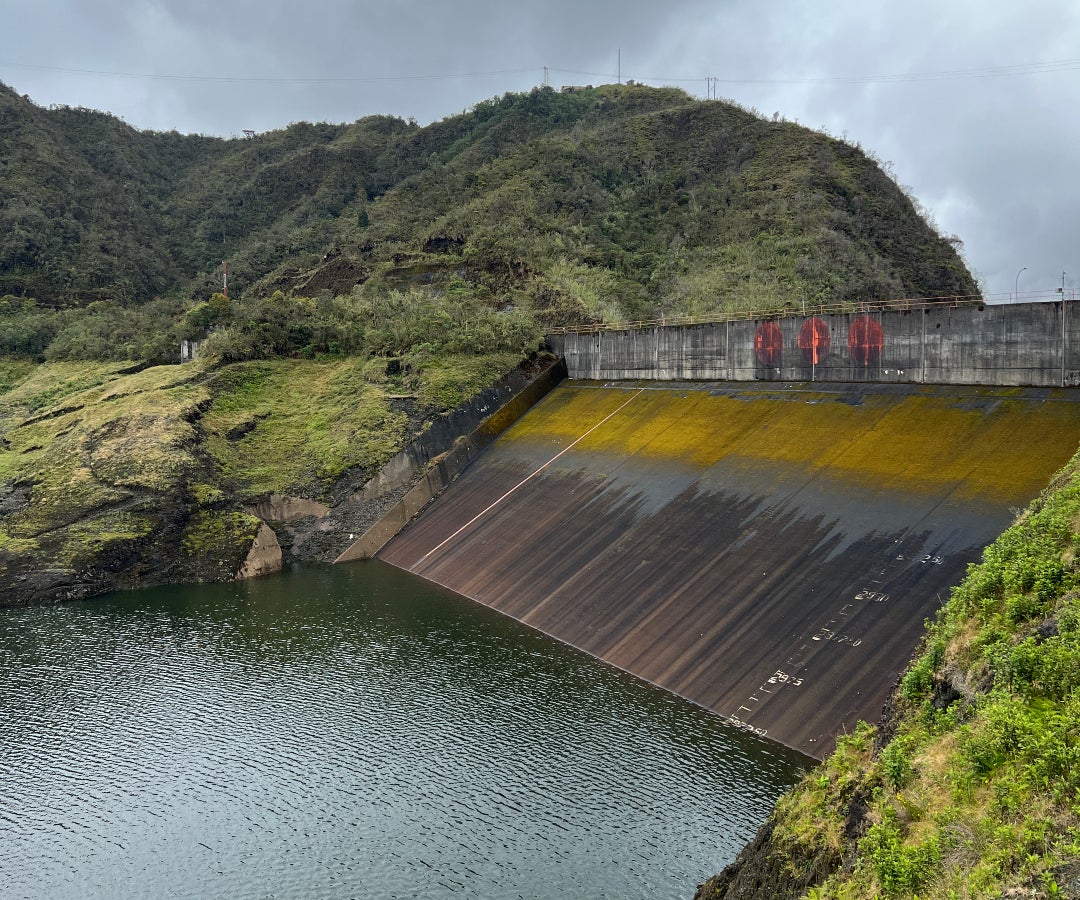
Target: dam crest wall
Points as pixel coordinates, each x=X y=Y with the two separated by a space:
x=1023 y=345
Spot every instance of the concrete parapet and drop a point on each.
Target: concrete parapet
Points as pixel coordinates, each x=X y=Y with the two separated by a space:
x=1026 y=345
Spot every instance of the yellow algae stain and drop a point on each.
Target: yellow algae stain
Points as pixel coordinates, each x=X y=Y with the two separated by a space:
x=1000 y=445
x=926 y=443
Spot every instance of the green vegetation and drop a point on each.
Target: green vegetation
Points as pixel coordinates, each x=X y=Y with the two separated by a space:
x=532 y=209
x=293 y=426
x=977 y=793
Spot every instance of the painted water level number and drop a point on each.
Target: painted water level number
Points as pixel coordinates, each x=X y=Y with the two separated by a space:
x=746 y=726
x=875 y=596
x=826 y=634
x=781 y=677
x=931 y=558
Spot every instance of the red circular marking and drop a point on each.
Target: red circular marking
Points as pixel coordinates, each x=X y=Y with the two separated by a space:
x=769 y=344
x=814 y=341
x=865 y=340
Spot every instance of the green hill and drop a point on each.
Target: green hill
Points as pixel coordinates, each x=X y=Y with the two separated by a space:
x=619 y=202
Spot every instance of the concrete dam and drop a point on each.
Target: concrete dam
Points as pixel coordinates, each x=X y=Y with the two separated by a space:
x=766 y=537
x=767 y=551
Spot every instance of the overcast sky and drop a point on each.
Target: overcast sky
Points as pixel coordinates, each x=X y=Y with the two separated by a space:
x=973 y=103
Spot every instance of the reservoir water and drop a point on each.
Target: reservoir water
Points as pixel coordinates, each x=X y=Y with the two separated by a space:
x=351 y=732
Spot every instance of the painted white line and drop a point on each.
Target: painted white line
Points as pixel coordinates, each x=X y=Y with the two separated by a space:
x=528 y=478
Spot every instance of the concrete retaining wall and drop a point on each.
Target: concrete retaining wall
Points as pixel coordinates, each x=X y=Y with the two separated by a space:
x=1029 y=344
x=445 y=467
x=445 y=430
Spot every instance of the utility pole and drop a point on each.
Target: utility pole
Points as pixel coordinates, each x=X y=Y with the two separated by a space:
x=224 y=278
x=547 y=77
x=620 y=65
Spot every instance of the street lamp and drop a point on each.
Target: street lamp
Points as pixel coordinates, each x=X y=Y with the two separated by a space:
x=1016 y=286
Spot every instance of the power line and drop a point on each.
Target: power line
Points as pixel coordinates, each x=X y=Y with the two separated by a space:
x=270 y=79
x=991 y=72
x=1035 y=68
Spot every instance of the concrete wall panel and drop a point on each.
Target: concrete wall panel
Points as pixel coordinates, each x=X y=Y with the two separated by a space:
x=1031 y=344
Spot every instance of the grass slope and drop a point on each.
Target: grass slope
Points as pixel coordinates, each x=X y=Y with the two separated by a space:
x=294 y=426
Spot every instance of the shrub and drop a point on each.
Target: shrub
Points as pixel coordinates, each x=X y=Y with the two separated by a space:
x=26 y=330
x=900 y=868
x=896 y=763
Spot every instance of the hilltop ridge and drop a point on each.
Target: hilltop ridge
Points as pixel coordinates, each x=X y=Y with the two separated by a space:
x=618 y=201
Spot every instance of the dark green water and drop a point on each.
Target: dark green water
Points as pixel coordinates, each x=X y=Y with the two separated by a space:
x=352 y=732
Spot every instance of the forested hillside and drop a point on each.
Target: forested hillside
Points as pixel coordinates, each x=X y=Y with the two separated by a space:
x=615 y=203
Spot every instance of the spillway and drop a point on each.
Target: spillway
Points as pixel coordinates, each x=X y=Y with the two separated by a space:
x=768 y=551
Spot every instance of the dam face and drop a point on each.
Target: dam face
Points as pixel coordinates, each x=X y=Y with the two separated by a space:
x=769 y=551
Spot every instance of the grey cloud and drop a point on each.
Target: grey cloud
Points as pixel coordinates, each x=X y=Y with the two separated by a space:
x=990 y=157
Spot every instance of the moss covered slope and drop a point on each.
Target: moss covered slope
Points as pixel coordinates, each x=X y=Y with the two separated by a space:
x=117 y=478
x=95 y=465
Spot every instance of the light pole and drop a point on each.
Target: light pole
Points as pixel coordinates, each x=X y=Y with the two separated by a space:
x=1064 y=331
x=1016 y=286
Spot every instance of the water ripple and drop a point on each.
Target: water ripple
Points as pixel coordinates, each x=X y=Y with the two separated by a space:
x=350 y=733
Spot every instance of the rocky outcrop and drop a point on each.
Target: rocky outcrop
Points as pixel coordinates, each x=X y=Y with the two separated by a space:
x=111 y=489
x=165 y=542
x=264 y=557
x=287 y=510
x=769 y=869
